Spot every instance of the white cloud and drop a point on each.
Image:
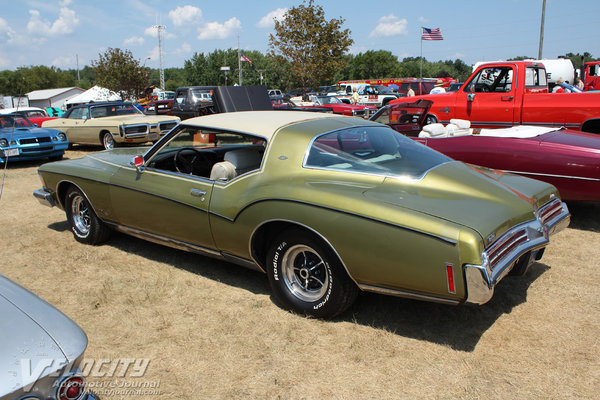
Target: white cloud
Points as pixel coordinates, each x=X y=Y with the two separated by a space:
x=185 y=48
x=152 y=31
x=134 y=40
x=422 y=19
x=216 y=30
x=65 y=24
x=390 y=25
x=64 y=3
x=63 y=61
x=186 y=15
x=7 y=34
x=267 y=20
x=154 y=54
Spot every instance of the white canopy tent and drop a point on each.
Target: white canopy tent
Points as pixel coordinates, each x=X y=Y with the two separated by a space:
x=93 y=94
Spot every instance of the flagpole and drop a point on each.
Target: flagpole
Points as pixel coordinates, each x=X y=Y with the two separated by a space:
x=239 y=62
x=421 y=65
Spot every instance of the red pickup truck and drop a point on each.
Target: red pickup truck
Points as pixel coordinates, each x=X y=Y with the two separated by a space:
x=503 y=94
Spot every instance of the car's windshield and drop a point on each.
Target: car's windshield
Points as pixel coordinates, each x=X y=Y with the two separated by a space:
x=373 y=150
x=35 y=113
x=12 y=121
x=112 y=110
x=201 y=94
x=328 y=100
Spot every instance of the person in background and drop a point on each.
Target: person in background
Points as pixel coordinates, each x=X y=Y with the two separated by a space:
x=557 y=88
x=579 y=83
x=438 y=88
x=410 y=92
x=355 y=97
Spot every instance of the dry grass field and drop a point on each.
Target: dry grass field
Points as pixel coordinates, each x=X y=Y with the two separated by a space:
x=212 y=330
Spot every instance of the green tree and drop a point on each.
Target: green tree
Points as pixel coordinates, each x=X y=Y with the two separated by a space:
x=374 y=64
x=118 y=71
x=307 y=47
x=579 y=59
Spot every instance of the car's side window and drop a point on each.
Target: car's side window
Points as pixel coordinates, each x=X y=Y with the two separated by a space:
x=216 y=155
x=493 y=79
x=79 y=113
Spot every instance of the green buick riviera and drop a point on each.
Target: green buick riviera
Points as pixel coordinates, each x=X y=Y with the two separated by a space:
x=325 y=205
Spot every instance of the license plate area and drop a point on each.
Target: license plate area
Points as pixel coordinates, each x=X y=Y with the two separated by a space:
x=11 y=152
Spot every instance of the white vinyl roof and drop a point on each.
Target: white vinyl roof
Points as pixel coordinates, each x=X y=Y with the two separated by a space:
x=259 y=123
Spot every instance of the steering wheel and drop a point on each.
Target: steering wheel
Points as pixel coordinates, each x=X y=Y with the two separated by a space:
x=187 y=157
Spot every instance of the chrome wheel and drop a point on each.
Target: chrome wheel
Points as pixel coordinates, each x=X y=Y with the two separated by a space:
x=305 y=273
x=80 y=212
x=107 y=141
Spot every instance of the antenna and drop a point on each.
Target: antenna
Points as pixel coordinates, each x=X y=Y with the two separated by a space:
x=160 y=29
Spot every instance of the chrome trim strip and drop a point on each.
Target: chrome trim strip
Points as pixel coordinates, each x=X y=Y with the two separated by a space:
x=443 y=239
x=163 y=240
x=552 y=175
x=129 y=188
x=408 y=295
x=250 y=264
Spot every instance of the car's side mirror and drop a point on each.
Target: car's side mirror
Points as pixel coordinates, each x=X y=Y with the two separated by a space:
x=138 y=163
x=470 y=97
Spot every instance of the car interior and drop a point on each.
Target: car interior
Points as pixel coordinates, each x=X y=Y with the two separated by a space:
x=216 y=156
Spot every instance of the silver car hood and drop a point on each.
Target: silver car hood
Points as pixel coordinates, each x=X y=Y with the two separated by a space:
x=33 y=332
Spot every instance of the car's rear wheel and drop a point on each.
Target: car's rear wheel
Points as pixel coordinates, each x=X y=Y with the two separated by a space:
x=85 y=225
x=107 y=141
x=430 y=119
x=307 y=277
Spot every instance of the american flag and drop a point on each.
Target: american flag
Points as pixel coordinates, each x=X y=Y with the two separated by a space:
x=431 y=34
x=244 y=58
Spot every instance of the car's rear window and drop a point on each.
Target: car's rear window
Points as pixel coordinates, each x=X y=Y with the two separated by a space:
x=372 y=150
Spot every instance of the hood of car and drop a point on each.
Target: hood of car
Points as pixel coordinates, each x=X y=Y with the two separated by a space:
x=460 y=194
x=34 y=334
x=26 y=131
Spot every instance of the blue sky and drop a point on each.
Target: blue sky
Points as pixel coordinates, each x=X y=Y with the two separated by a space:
x=55 y=32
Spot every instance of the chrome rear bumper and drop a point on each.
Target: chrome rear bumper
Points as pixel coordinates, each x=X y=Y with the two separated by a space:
x=481 y=280
x=44 y=197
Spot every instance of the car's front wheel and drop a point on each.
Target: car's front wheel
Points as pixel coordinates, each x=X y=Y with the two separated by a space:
x=307 y=277
x=85 y=224
x=107 y=141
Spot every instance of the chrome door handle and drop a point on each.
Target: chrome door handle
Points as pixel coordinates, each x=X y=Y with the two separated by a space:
x=197 y=192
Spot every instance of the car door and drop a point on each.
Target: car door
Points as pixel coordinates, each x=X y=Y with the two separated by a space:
x=167 y=206
x=488 y=100
x=74 y=123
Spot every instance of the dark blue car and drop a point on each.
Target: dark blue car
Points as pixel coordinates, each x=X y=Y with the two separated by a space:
x=21 y=140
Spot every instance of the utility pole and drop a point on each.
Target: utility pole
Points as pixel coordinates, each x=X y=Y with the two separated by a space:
x=160 y=29
x=542 y=30
x=77 y=58
x=239 y=62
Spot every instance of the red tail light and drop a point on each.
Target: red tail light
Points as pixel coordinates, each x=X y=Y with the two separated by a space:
x=71 y=388
x=450 y=277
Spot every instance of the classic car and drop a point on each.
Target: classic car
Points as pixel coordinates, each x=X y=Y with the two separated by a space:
x=338 y=106
x=34 y=114
x=21 y=140
x=565 y=158
x=54 y=111
x=41 y=349
x=111 y=124
x=325 y=205
x=193 y=101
